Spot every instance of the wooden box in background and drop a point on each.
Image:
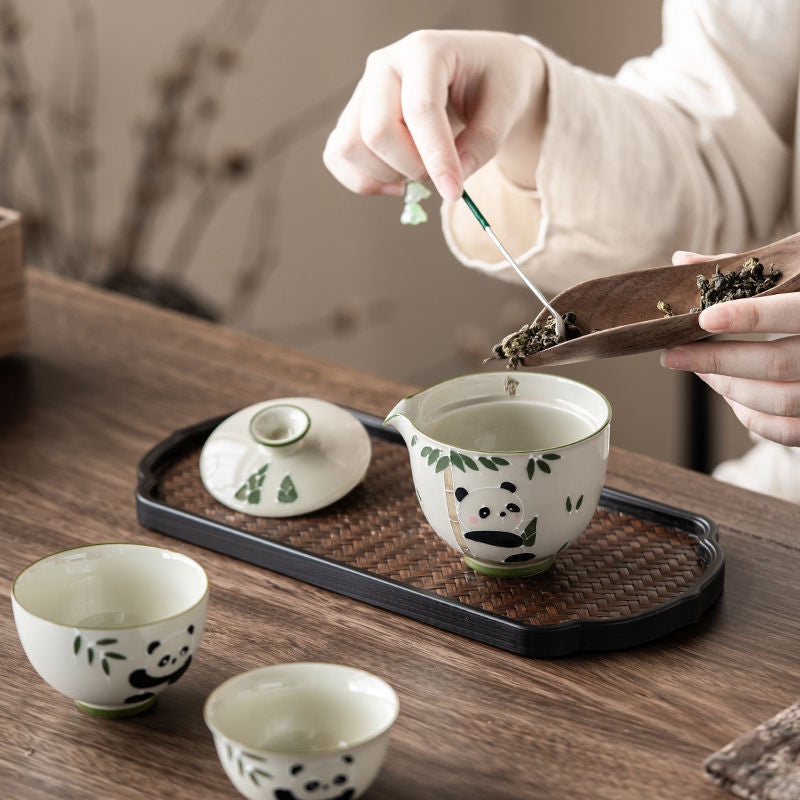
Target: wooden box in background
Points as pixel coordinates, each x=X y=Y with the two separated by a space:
x=12 y=294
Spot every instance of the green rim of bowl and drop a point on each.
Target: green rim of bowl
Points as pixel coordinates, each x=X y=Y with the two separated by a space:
x=591 y=435
x=117 y=627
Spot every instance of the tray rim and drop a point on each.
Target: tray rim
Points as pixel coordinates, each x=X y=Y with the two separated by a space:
x=424 y=605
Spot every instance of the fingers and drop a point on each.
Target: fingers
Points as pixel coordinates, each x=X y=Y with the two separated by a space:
x=777 y=360
x=759 y=380
x=687 y=257
x=776 y=398
x=784 y=430
x=778 y=313
x=351 y=161
x=423 y=98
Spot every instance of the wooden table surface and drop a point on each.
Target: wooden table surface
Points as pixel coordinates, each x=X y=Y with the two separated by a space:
x=103 y=378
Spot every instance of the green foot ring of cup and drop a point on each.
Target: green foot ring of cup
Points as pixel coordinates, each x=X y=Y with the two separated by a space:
x=498 y=571
x=116 y=712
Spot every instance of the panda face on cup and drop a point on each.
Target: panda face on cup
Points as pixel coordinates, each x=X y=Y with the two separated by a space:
x=493 y=521
x=167 y=660
x=324 y=780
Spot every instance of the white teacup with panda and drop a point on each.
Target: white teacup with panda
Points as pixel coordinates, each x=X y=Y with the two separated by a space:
x=508 y=468
x=111 y=625
x=302 y=731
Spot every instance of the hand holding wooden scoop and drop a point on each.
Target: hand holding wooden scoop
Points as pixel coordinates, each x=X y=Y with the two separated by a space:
x=619 y=314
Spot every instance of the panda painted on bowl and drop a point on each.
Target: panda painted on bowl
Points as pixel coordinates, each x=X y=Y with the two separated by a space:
x=494 y=523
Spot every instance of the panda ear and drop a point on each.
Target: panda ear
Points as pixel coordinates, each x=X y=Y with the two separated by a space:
x=152 y=646
x=347 y=759
x=190 y=629
x=461 y=493
x=508 y=486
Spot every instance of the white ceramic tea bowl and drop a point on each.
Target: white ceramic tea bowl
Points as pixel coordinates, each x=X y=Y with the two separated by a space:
x=302 y=731
x=111 y=625
x=508 y=480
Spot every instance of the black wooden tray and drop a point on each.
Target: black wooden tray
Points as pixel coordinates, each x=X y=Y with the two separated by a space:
x=640 y=571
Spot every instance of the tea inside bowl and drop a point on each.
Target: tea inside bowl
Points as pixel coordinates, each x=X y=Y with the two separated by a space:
x=507 y=425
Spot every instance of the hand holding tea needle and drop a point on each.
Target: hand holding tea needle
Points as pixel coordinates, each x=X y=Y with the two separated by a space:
x=561 y=329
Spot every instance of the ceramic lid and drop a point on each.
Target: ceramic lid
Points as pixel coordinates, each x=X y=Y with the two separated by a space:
x=285 y=457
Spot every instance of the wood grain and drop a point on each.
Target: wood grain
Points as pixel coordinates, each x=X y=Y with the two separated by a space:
x=12 y=294
x=103 y=378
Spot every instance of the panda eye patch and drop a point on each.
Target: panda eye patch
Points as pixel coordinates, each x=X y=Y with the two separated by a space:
x=312 y=786
x=339 y=779
x=513 y=507
x=484 y=512
x=164 y=661
x=184 y=650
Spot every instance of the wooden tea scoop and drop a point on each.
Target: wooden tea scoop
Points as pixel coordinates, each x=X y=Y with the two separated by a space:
x=623 y=307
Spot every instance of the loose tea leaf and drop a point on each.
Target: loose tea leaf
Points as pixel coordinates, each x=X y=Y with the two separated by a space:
x=665 y=308
x=532 y=338
x=749 y=281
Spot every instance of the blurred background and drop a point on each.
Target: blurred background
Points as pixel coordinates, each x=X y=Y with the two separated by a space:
x=173 y=151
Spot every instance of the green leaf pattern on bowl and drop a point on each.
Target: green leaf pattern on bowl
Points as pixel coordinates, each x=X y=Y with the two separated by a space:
x=100 y=648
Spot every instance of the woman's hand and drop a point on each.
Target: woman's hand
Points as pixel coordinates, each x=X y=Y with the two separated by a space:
x=759 y=380
x=399 y=123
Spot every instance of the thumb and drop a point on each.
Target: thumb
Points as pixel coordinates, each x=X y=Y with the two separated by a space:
x=687 y=257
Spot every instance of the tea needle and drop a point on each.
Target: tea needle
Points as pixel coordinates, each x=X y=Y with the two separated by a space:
x=561 y=328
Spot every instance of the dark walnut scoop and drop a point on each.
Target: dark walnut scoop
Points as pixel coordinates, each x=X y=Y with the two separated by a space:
x=624 y=308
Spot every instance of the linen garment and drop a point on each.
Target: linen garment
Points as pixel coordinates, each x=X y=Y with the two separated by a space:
x=694 y=147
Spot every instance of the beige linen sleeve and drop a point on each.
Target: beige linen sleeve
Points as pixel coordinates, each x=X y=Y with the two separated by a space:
x=689 y=148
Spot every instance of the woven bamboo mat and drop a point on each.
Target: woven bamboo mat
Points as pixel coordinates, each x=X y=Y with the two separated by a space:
x=622 y=565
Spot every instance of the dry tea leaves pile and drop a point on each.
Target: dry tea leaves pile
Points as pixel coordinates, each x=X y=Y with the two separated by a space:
x=532 y=338
x=751 y=279
x=748 y=281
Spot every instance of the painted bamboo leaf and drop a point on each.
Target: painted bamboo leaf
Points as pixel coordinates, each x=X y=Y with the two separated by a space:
x=106 y=641
x=529 y=534
x=106 y=669
x=253 y=756
x=253 y=777
x=531 y=468
x=456 y=460
x=90 y=654
x=414 y=439
x=262 y=773
x=116 y=655
x=287 y=492
x=442 y=463
x=578 y=504
x=551 y=456
x=240 y=764
x=250 y=490
x=76 y=645
x=469 y=462
x=433 y=456
x=543 y=466
x=425 y=451
x=229 y=750
x=569 y=505
x=500 y=461
x=488 y=463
